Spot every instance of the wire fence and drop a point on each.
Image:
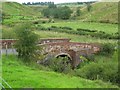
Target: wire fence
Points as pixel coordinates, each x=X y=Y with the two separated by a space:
x=4 y=84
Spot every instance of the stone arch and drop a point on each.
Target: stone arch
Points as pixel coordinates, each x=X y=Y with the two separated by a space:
x=63 y=55
x=69 y=59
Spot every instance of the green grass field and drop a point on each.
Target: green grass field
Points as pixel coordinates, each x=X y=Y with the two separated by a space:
x=73 y=37
x=18 y=75
x=108 y=28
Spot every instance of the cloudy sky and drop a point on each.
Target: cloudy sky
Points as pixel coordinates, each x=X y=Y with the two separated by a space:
x=56 y=1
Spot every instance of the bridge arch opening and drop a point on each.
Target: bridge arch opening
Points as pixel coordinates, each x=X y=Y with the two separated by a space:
x=63 y=55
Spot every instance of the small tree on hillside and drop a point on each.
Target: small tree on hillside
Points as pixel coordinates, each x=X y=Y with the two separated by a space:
x=89 y=7
x=52 y=5
x=26 y=44
x=78 y=12
x=64 y=12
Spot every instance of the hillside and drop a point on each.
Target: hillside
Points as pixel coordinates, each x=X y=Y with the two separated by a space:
x=102 y=12
x=14 y=13
x=14 y=8
x=18 y=75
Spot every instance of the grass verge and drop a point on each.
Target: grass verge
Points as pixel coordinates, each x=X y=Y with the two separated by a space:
x=18 y=75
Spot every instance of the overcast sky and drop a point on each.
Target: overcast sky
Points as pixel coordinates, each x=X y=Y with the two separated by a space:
x=56 y=1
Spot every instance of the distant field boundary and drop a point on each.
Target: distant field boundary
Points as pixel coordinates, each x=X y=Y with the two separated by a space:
x=92 y=33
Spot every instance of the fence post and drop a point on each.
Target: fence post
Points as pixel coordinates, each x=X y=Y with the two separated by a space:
x=6 y=47
x=12 y=48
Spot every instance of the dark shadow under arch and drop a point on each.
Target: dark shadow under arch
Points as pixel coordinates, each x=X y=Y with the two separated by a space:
x=64 y=55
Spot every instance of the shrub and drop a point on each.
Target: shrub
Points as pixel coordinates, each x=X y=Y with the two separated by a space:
x=89 y=71
x=86 y=30
x=42 y=28
x=107 y=49
x=26 y=45
x=60 y=64
x=44 y=22
x=85 y=59
x=68 y=28
x=104 y=21
x=54 y=27
x=104 y=68
x=35 y=22
x=105 y=71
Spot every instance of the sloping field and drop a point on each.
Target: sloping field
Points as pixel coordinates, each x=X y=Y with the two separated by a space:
x=14 y=8
x=102 y=12
x=18 y=75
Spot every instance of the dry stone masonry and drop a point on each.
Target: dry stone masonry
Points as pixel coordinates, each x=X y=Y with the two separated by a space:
x=58 y=47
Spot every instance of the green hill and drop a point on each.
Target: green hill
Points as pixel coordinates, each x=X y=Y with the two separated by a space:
x=14 y=8
x=18 y=75
x=101 y=12
x=14 y=13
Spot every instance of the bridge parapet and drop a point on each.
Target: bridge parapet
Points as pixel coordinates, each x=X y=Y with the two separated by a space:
x=73 y=49
x=44 y=41
x=50 y=47
x=57 y=47
x=7 y=42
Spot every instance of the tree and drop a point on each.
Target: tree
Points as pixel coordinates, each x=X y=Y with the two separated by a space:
x=64 y=12
x=46 y=12
x=57 y=12
x=78 y=12
x=52 y=5
x=26 y=43
x=89 y=7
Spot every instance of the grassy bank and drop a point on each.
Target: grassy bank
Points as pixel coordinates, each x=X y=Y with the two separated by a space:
x=18 y=75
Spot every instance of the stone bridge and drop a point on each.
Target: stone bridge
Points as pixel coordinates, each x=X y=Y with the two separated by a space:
x=62 y=47
x=73 y=50
x=7 y=43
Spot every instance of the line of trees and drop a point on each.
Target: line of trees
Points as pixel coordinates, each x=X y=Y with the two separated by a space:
x=38 y=3
x=48 y=3
x=57 y=12
x=90 y=2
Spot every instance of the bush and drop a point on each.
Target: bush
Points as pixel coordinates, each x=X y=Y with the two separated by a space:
x=105 y=71
x=104 y=21
x=68 y=28
x=104 y=68
x=107 y=49
x=54 y=27
x=85 y=59
x=86 y=30
x=89 y=71
x=60 y=64
x=44 y=22
x=26 y=45
x=35 y=22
